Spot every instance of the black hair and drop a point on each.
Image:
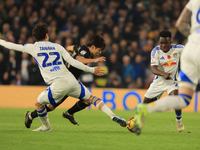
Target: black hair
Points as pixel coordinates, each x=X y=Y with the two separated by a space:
x=97 y=41
x=165 y=33
x=39 y=31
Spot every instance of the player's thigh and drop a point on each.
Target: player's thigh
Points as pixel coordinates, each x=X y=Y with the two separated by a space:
x=173 y=86
x=155 y=90
x=79 y=91
x=54 y=93
x=190 y=63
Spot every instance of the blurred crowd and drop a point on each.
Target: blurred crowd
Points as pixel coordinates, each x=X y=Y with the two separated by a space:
x=130 y=29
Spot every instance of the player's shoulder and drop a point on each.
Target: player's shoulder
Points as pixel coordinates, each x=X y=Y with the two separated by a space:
x=48 y=44
x=155 y=50
x=177 y=46
x=29 y=47
x=55 y=44
x=81 y=49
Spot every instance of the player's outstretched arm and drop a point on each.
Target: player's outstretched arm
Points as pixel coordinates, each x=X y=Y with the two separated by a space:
x=89 y=60
x=76 y=63
x=11 y=45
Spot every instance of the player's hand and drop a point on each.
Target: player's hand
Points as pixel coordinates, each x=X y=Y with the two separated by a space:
x=167 y=76
x=100 y=59
x=99 y=71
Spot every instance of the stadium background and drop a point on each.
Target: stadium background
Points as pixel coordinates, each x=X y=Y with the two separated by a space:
x=130 y=29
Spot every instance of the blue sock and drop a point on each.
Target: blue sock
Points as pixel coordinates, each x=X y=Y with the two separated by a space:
x=178 y=115
x=42 y=112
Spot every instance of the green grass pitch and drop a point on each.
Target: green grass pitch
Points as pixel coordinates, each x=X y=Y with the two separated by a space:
x=98 y=132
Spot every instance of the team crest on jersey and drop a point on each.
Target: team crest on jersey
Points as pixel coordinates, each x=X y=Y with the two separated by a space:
x=83 y=52
x=175 y=55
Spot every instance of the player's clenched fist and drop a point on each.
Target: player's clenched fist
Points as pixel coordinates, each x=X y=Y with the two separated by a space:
x=167 y=76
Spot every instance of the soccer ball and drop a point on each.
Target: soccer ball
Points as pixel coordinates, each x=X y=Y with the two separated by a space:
x=130 y=124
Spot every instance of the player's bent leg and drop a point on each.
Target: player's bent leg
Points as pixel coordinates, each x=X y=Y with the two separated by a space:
x=167 y=103
x=30 y=116
x=53 y=95
x=98 y=103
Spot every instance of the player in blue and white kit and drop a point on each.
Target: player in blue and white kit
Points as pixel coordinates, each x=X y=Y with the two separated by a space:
x=86 y=54
x=164 y=65
x=49 y=57
x=190 y=67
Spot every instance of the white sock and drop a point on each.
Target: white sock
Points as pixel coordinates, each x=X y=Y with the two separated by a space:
x=105 y=109
x=166 y=103
x=45 y=121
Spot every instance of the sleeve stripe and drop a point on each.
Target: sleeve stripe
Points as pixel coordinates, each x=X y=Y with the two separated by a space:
x=154 y=50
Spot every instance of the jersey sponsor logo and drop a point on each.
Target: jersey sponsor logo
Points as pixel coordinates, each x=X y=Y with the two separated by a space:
x=169 y=64
x=83 y=52
x=56 y=68
x=168 y=57
x=162 y=57
x=175 y=55
x=47 y=48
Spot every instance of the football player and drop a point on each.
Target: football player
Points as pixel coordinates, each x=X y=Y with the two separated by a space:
x=86 y=54
x=49 y=57
x=189 y=67
x=164 y=65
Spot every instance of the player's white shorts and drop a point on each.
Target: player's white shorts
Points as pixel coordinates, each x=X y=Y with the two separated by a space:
x=61 y=87
x=190 y=64
x=158 y=87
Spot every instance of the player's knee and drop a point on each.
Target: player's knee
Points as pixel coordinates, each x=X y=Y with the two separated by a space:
x=51 y=107
x=186 y=98
x=38 y=105
x=145 y=101
x=83 y=104
x=148 y=100
x=87 y=102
